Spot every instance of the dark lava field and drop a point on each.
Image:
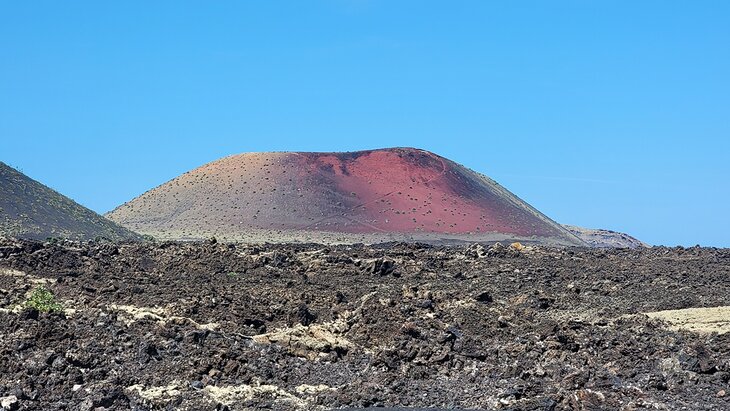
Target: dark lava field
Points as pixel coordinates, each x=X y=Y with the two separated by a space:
x=212 y=326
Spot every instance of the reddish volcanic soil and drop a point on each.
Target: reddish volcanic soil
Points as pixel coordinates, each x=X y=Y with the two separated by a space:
x=376 y=195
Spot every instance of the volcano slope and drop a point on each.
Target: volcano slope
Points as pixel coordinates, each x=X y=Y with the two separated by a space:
x=28 y=209
x=372 y=196
x=600 y=238
x=204 y=326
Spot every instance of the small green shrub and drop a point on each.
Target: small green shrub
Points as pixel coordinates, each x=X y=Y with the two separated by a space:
x=43 y=300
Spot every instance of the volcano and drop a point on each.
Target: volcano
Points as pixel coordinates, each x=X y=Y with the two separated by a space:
x=399 y=194
x=29 y=209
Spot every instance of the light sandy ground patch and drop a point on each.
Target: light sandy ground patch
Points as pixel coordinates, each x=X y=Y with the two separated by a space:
x=11 y=273
x=133 y=313
x=309 y=341
x=306 y=389
x=232 y=394
x=702 y=320
x=156 y=393
x=24 y=276
x=313 y=340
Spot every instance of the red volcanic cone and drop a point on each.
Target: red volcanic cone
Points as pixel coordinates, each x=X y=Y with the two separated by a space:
x=368 y=196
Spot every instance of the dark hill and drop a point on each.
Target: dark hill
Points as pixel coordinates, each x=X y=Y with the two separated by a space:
x=28 y=209
x=599 y=238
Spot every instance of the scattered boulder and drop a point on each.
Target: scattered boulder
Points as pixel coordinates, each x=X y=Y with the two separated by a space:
x=9 y=402
x=305 y=316
x=475 y=251
x=380 y=266
x=502 y=251
x=484 y=297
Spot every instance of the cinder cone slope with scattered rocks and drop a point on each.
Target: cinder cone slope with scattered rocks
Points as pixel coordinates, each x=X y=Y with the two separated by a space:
x=400 y=194
x=29 y=209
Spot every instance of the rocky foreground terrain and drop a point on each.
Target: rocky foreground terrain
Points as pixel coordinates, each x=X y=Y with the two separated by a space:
x=210 y=326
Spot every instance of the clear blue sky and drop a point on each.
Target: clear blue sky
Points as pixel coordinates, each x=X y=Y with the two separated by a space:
x=612 y=114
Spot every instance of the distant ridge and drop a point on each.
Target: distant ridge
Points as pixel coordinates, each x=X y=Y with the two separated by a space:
x=28 y=209
x=599 y=238
x=398 y=194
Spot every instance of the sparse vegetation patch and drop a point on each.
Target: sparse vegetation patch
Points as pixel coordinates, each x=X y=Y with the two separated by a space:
x=43 y=300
